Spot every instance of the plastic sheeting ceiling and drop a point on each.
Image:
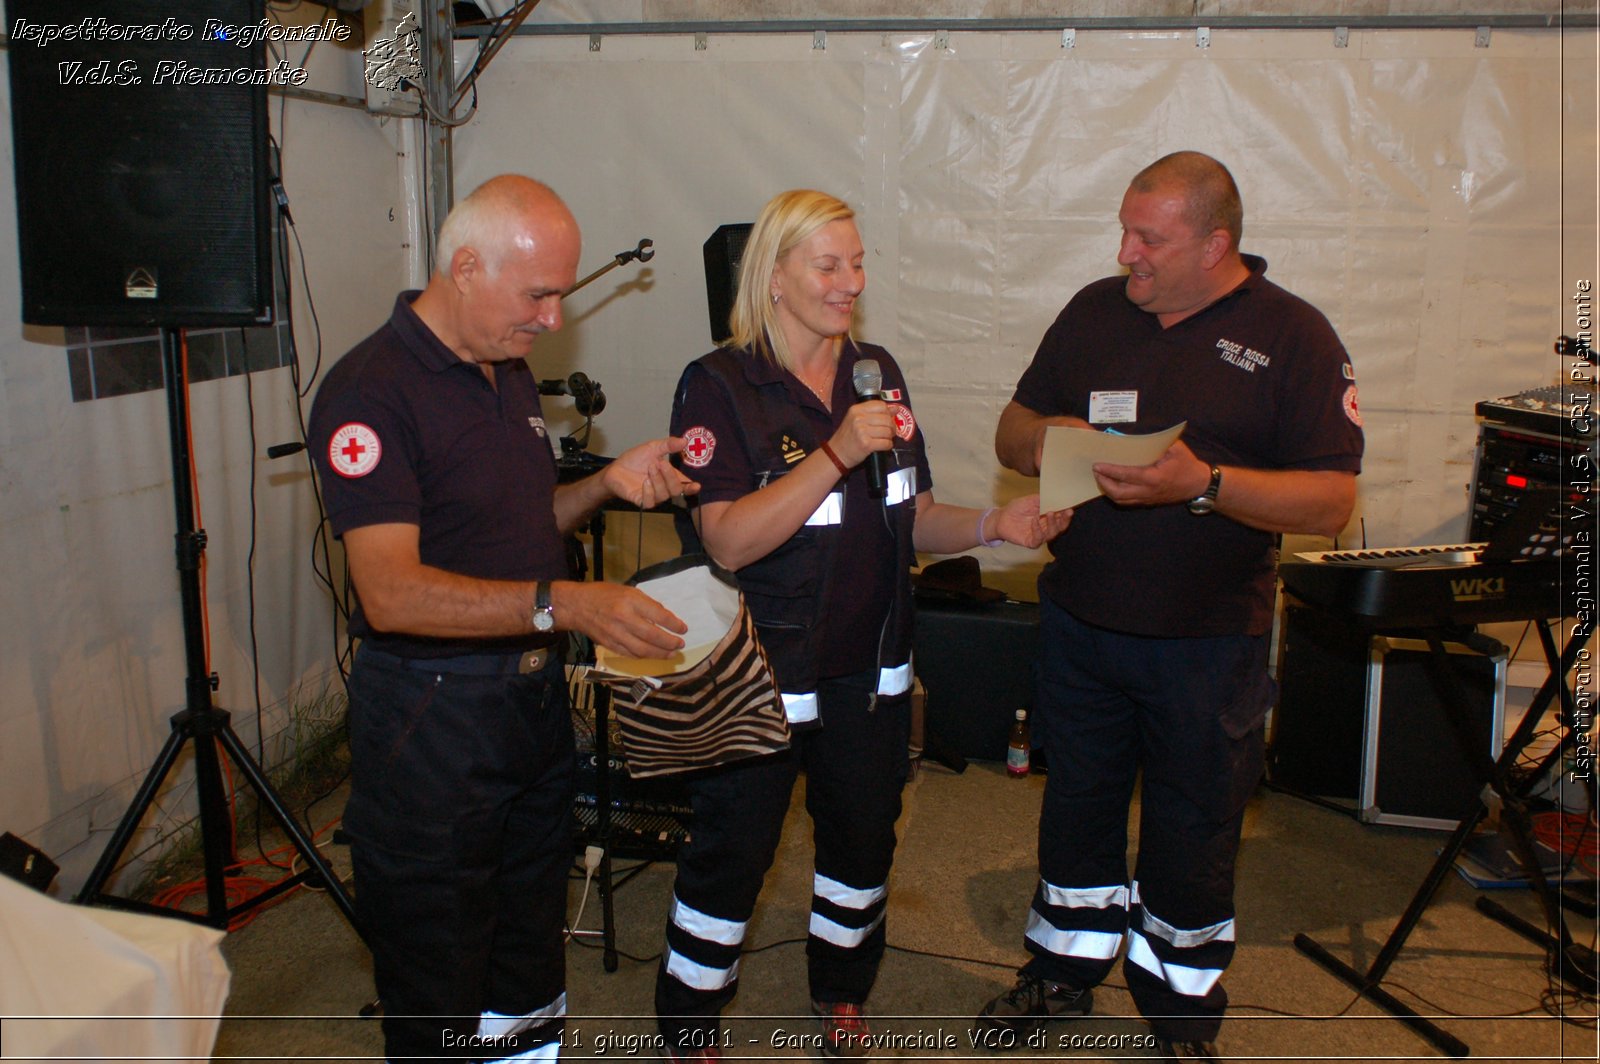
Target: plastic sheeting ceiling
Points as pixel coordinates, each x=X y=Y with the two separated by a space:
x=1434 y=198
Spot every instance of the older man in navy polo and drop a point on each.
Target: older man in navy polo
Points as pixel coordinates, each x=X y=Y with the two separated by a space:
x=440 y=480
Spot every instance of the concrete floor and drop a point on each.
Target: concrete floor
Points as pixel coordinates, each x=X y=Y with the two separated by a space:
x=959 y=895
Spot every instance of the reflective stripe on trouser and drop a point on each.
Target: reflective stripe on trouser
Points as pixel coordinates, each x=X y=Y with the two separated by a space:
x=496 y=1029
x=856 y=767
x=1188 y=960
x=802 y=707
x=1187 y=712
x=1086 y=924
x=1081 y=926
x=845 y=916
x=712 y=937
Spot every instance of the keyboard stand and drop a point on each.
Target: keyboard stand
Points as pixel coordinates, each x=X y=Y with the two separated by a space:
x=1574 y=962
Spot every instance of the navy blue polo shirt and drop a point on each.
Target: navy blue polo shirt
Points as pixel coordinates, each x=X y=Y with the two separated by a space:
x=1263 y=382
x=405 y=431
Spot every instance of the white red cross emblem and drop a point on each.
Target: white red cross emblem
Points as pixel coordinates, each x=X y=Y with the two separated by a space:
x=904 y=423
x=1351 y=409
x=354 y=450
x=698 y=446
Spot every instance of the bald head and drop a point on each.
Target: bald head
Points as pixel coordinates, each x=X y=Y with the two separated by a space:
x=507 y=255
x=1211 y=199
x=505 y=213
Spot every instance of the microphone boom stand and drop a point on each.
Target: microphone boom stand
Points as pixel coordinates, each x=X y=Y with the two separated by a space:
x=202 y=723
x=644 y=253
x=602 y=694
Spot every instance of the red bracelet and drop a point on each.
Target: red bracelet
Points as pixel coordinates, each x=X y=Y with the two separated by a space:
x=840 y=466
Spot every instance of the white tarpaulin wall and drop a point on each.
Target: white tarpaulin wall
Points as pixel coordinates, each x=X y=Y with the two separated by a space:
x=1434 y=198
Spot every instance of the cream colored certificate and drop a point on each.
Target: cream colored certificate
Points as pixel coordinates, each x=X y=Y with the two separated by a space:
x=1066 y=476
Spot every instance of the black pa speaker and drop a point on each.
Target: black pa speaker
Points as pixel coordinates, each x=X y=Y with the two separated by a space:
x=976 y=664
x=723 y=253
x=140 y=131
x=26 y=863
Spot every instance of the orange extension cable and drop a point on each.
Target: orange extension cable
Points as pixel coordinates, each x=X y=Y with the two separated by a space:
x=1573 y=835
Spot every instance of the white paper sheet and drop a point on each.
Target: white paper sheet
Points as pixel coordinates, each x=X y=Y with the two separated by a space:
x=707 y=605
x=1066 y=476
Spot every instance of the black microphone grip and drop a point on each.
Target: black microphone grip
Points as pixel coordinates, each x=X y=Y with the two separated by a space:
x=877 y=467
x=868 y=381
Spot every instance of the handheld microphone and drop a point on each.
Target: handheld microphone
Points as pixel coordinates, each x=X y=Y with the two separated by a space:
x=868 y=381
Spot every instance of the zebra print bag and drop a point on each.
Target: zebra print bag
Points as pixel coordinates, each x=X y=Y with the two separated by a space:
x=725 y=708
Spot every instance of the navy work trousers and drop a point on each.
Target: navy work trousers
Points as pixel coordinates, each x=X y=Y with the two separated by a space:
x=460 y=820
x=856 y=766
x=1188 y=713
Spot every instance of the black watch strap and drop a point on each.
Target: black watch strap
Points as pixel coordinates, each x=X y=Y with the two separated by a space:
x=544 y=614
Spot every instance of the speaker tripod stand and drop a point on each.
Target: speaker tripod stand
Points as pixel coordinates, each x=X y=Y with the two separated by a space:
x=202 y=724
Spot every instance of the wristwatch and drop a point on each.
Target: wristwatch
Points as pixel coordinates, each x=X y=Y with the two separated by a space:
x=1207 y=502
x=544 y=614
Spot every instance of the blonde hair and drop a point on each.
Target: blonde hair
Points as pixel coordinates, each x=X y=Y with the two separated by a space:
x=785 y=222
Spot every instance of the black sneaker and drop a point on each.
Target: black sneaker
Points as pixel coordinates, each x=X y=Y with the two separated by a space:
x=1031 y=1004
x=1175 y=1051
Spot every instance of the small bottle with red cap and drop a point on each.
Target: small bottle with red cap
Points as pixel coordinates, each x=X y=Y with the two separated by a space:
x=1017 y=746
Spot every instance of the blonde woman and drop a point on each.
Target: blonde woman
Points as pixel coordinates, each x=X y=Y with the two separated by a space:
x=817 y=500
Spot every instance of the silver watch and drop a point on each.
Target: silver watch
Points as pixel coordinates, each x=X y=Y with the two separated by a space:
x=1207 y=501
x=544 y=614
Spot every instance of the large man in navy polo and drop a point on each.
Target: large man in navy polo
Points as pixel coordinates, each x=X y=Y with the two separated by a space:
x=1155 y=613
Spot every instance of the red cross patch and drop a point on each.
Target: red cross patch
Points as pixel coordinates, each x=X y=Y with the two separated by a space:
x=904 y=423
x=1351 y=409
x=354 y=450
x=698 y=446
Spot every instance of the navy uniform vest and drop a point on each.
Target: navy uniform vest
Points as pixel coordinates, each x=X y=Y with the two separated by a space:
x=785 y=591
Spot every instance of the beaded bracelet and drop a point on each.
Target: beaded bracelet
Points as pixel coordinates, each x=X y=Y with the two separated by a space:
x=840 y=466
x=987 y=542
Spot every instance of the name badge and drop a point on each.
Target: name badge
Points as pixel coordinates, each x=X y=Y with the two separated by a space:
x=1113 y=408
